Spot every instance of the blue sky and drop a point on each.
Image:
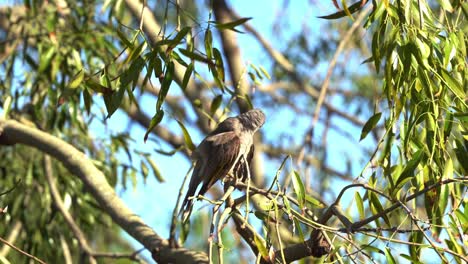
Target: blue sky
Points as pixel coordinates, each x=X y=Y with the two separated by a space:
x=174 y=168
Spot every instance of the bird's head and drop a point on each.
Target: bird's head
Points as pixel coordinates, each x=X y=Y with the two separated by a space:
x=252 y=120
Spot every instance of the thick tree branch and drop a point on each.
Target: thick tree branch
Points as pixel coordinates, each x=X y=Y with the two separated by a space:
x=232 y=53
x=13 y=132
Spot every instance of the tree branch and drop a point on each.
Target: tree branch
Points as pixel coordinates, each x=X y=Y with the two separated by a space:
x=13 y=132
x=61 y=207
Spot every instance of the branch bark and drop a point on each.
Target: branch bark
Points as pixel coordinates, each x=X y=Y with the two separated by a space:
x=13 y=132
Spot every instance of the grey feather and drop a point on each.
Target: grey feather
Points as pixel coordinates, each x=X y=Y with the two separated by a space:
x=220 y=153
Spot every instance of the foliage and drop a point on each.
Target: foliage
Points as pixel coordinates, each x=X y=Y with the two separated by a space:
x=71 y=68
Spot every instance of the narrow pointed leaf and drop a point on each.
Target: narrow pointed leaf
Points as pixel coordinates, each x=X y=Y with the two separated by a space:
x=370 y=124
x=157 y=118
x=187 y=138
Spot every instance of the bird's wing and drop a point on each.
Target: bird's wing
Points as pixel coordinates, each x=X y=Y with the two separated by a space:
x=221 y=152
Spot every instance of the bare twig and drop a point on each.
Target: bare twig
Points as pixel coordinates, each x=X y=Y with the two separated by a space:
x=21 y=251
x=66 y=215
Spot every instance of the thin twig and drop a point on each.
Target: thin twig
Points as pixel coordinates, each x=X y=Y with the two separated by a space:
x=21 y=251
x=175 y=212
x=58 y=202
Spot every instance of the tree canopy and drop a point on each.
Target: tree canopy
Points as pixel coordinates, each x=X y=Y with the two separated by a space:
x=363 y=156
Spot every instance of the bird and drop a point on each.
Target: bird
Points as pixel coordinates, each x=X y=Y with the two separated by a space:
x=222 y=152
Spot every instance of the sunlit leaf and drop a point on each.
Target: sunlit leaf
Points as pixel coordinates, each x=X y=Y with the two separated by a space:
x=180 y=35
x=155 y=169
x=208 y=44
x=6 y=107
x=261 y=247
x=232 y=25
x=298 y=188
x=413 y=261
x=389 y=256
x=360 y=205
x=144 y=170
x=187 y=138
x=316 y=203
x=46 y=58
x=76 y=80
x=446 y=5
x=453 y=85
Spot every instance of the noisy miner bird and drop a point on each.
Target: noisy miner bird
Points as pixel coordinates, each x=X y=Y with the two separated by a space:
x=222 y=152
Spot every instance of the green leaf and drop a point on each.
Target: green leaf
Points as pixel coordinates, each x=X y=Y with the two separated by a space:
x=6 y=107
x=261 y=246
x=46 y=59
x=463 y=218
x=144 y=170
x=445 y=4
x=372 y=249
x=370 y=124
x=175 y=56
x=347 y=12
x=232 y=25
x=135 y=53
x=180 y=35
x=388 y=256
x=193 y=55
x=453 y=85
x=219 y=64
x=448 y=125
x=166 y=83
x=216 y=103
x=157 y=66
x=208 y=44
x=155 y=169
x=374 y=200
x=132 y=74
x=413 y=261
x=76 y=80
x=298 y=188
x=187 y=75
x=124 y=39
x=360 y=205
x=261 y=215
x=265 y=73
x=408 y=171
x=297 y=224
x=187 y=138
x=314 y=202
x=88 y=100
x=157 y=118
x=97 y=87
x=113 y=101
